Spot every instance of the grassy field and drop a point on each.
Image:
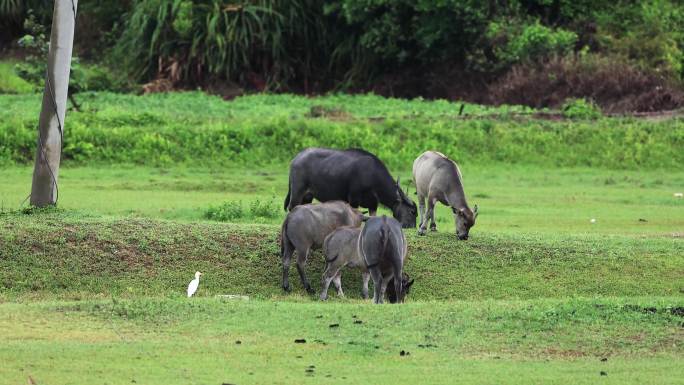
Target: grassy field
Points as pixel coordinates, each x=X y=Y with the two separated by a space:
x=210 y=341
x=538 y=294
x=512 y=198
x=193 y=129
x=93 y=292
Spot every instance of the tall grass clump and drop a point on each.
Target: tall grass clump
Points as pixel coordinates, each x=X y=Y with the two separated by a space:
x=194 y=40
x=231 y=211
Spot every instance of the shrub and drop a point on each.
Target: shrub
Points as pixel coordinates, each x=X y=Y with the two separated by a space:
x=232 y=211
x=581 y=109
x=266 y=42
x=615 y=85
x=529 y=43
x=258 y=209
x=228 y=211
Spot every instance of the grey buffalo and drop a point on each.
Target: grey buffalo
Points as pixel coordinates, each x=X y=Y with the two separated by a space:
x=306 y=227
x=382 y=246
x=438 y=179
x=354 y=176
x=341 y=250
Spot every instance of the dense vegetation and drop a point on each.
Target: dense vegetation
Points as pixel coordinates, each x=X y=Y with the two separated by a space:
x=195 y=129
x=571 y=274
x=450 y=49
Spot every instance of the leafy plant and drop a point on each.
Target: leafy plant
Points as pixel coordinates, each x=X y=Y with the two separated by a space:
x=530 y=43
x=272 y=39
x=581 y=109
x=268 y=209
x=232 y=210
x=228 y=211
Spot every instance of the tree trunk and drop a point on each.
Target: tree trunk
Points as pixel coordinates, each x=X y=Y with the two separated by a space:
x=44 y=191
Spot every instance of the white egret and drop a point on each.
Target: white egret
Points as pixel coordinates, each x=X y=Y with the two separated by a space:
x=192 y=287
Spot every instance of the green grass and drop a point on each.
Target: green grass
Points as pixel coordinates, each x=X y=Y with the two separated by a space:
x=512 y=199
x=10 y=82
x=62 y=256
x=194 y=129
x=154 y=341
x=538 y=294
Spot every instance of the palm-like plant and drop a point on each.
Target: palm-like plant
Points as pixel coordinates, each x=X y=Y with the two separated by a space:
x=278 y=39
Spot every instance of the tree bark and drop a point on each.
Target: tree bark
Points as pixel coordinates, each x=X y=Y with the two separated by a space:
x=44 y=191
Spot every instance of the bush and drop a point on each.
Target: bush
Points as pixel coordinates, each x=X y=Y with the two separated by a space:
x=615 y=85
x=581 y=109
x=228 y=211
x=232 y=211
x=530 y=43
x=266 y=42
x=258 y=209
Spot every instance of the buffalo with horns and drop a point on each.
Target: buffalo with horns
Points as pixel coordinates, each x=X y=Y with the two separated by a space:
x=354 y=176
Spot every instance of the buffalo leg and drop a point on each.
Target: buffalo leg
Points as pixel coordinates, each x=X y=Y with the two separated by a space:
x=421 y=211
x=431 y=214
x=338 y=283
x=377 y=284
x=297 y=198
x=373 y=209
x=287 y=259
x=398 y=281
x=328 y=277
x=383 y=285
x=301 y=263
x=364 y=290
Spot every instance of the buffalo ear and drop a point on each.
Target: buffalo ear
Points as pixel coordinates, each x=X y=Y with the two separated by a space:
x=410 y=283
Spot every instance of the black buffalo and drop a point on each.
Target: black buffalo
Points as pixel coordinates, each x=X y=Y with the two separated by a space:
x=354 y=176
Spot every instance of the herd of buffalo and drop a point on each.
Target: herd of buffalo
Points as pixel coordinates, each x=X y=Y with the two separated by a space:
x=343 y=180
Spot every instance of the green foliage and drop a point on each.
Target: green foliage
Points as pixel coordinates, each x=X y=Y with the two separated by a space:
x=228 y=211
x=648 y=33
x=307 y=44
x=231 y=211
x=581 y=109
x=193 y=128
x=529 y=43
x=10 y=82
x=556 y=341
x=194 y=39
x=96 y=256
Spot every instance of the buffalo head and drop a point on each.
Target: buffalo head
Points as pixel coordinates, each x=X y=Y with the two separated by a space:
x=404 y=210
x=465 y=219
x=405 y=287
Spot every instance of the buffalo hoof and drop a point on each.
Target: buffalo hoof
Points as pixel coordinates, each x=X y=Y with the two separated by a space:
x=287 y=289
x=310 y=290
x=434 y=229
x=323 y=297
x=421 y=232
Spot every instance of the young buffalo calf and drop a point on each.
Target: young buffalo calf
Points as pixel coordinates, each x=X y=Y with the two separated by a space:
x=341 y=249
x=382 y=246
x=305 y=228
